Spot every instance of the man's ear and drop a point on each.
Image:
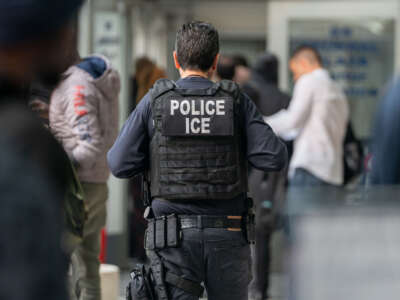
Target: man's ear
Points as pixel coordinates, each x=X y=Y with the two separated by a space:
x=177 y=65
x=215 y=62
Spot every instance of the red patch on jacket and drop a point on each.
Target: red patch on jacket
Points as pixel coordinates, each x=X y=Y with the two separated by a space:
x=79 y=101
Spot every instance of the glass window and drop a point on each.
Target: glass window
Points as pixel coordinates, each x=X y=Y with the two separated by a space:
x=359 y=55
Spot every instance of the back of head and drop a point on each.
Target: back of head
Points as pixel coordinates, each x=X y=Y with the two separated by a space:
x=240 y=60
x=29 y=20
x=197 y=45
x=226 y=68
x=267 y=68
x=35 y=39
x=144 y=68
x=242 y=70
x=143 y=63
x=308 y=53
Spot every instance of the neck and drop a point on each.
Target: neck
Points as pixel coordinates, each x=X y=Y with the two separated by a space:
x=308 y=71
x=188 y=73
x=315 y=67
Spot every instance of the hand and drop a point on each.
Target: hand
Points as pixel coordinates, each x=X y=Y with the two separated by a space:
x=40 y=107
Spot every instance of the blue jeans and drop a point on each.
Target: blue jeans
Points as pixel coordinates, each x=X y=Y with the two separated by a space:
x=306 y=192
x=215 y=256
x=303 y=178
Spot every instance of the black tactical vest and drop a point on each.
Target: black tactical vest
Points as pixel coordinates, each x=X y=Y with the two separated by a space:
x=197 y=151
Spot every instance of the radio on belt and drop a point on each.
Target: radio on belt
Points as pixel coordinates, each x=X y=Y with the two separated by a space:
x=204 y=116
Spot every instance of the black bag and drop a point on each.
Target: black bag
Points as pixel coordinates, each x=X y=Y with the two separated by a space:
x=353 y=156
x=140 y=287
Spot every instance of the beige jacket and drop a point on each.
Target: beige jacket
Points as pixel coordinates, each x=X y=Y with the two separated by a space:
x=84 y=115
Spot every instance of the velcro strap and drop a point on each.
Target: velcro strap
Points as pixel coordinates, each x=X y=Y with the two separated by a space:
x=184 y=284
x=210 y=222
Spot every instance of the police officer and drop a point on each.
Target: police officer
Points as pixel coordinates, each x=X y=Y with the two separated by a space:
x=193 y=139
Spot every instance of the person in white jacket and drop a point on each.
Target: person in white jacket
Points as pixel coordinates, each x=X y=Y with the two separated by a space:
x=318 y=113
x=84 y=118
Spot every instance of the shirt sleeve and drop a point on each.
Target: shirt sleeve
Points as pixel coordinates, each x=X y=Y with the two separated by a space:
x=265 y=151
x=289 y=120
x=129 y=154
x=82 y=115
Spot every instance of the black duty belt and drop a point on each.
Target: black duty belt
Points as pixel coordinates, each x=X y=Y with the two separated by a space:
x=165 y=232
x=233 y=223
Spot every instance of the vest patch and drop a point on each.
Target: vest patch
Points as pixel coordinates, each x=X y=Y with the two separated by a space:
x=198 y=116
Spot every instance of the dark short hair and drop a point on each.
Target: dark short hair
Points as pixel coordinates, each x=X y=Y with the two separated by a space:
x=226 y=67
x=22 y=20
x=197 y=45
x=310 y=49
x=267 y=66
x=240 y=60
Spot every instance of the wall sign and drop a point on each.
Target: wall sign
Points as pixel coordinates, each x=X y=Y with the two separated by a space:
x=107 y=40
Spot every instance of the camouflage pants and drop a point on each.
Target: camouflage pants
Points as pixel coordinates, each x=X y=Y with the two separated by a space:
x=85 y=258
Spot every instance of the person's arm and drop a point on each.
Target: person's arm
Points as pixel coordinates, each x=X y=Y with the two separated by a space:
x=292 y=119
x=128 y=156
x=265 y=151
x=83 y=116
x=386 y=143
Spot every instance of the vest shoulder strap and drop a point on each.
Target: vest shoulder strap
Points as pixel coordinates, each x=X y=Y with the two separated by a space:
x=230 y=87
x=161 y=87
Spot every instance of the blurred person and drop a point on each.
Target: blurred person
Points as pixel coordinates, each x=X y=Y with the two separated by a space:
x=147 y=73
x=319 y=113
x=34 y=37
x=267 y=189
x=198 y=179
x=386 y=139
x=140 y=63
x=264 y=79
x=84 y=118
x=242 y=69
x=225 y=68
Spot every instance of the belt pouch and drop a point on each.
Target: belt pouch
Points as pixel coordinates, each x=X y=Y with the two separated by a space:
x=160 y=233
x=150 y=236
x=173 y=232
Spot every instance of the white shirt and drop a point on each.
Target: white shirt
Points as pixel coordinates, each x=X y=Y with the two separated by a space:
x=319 y=112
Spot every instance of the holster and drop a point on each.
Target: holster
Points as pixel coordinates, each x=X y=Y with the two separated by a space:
x=149 y=282
x=140 y=287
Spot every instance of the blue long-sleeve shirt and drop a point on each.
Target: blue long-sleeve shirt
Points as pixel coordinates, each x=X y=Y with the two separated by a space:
x=130 y=153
